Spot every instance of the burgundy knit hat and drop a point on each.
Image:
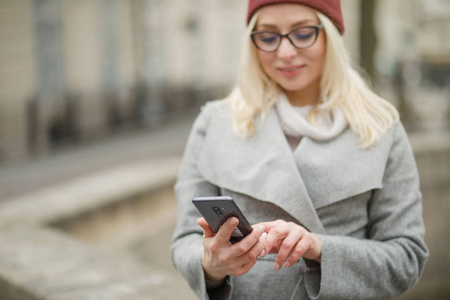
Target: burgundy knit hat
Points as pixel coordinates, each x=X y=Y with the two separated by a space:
x=330 y=8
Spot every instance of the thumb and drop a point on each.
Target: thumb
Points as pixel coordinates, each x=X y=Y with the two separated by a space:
x=207 y=230
x=226 y=229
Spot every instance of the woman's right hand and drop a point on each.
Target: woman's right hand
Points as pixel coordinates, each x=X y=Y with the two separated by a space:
x=221 y=258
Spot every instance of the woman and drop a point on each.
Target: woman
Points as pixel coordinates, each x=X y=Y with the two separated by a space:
x=318 y=162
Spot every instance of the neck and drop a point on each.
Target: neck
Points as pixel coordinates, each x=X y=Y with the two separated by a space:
x=309 y=95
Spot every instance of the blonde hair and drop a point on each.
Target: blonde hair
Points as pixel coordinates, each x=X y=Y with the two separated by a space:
x=369 y=115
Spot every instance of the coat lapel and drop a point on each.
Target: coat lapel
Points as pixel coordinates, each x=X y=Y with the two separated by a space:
x=341 y=168
x=262 y=166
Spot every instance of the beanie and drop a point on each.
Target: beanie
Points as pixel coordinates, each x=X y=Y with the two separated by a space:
x=330 y=8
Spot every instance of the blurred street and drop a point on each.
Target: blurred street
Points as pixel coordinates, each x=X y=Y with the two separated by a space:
x=124 y=147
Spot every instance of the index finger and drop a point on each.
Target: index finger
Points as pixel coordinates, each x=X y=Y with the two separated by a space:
x=249 y=241
x=207 y=230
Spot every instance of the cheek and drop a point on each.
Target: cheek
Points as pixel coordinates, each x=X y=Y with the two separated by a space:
x=321 y=52
x=319 y=59
x=265 y=60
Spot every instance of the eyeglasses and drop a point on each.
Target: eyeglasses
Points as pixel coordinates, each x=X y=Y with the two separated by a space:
x=301 y=37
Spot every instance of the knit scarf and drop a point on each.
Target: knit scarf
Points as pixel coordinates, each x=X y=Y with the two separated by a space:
x=294 y=124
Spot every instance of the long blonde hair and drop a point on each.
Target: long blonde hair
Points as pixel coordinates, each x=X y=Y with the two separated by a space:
x=369 y=115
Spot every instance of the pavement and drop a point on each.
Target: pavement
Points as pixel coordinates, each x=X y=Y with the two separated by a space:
x=122 y=148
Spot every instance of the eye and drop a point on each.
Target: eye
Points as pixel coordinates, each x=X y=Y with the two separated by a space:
x=267 y=37
x=303 y=34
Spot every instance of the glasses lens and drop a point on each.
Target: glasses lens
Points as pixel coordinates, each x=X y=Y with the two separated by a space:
x=266 y=41
x=303 y=37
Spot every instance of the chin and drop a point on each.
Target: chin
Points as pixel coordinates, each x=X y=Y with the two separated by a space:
x=291 y=87
x=298 y=84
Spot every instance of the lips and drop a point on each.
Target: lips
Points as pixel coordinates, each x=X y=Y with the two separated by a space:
x=290 y=71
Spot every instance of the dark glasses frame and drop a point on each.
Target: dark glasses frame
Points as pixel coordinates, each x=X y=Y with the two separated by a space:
x=317 y=28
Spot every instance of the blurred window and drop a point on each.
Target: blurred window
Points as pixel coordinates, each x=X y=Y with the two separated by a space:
x=48 y=51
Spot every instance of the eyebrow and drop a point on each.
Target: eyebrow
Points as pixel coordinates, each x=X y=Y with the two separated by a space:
x=292 y=26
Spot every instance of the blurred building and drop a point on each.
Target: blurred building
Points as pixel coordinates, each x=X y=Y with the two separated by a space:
x=76 y=69
x=413 y=60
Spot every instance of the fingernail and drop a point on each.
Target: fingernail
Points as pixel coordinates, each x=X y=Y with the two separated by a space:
x=262 y=253
x=286 y=265
x=233 y=221
x=261 y=228
x=276 y=267
x=263 y=236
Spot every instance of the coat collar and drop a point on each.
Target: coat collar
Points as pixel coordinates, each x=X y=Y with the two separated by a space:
x=262 y=167
x=265 y=168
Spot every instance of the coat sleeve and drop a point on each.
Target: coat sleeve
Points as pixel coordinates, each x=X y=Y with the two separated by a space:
x=391 y=259
x=187 y=244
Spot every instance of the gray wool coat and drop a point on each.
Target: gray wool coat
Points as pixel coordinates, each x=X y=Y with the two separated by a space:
x=364 y=205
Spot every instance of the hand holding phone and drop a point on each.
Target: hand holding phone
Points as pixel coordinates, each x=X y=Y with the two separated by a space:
x=217 y=210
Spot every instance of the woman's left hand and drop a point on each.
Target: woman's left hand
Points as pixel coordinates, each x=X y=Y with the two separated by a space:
x=291 y=241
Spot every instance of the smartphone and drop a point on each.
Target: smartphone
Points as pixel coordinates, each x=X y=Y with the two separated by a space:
x=217 y=210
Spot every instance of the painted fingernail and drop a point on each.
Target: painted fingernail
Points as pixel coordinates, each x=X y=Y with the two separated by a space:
x=262 y=253
x=233 y=221
x=276 y=267
x=261 y=228
x=286 y=265
x=263 y=236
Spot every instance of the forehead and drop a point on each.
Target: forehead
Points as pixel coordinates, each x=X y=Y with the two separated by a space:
x=285 y=14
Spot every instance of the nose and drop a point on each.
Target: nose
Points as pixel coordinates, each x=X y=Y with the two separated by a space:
x=286 y=50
